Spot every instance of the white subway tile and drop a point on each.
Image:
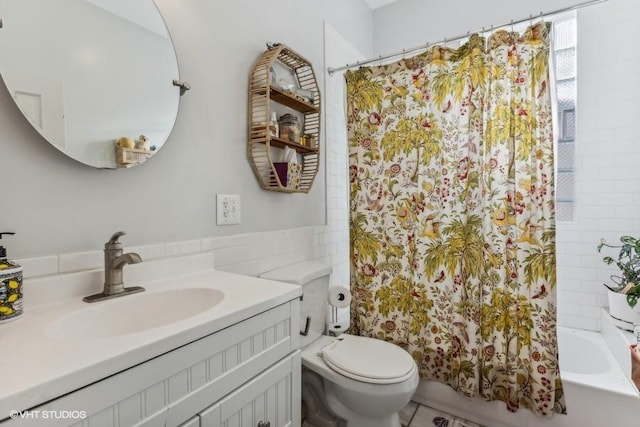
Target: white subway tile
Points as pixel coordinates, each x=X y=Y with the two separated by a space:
x=230 y=255
x=81 y=261
x=618 y=225
x=578 y=298
x=148 y=252
x=591 y=311
x=569 y=308
x=182 y=248
x=589 y=261
x=580 y=273
x=627 y=212
x=569 y=236
x=580 y=322
x=39 y=266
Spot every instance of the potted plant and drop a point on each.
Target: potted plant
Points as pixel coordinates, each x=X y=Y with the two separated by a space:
x=625 y=291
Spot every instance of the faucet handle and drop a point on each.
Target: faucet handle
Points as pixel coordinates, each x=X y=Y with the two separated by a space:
x=113 y=241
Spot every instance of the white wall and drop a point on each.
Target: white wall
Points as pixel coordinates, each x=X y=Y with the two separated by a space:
x=59 y=206
x=429 y=21
x=337 y=51
x=607 y=178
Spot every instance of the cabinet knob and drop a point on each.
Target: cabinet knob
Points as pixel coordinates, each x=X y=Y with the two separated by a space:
x=264 y=424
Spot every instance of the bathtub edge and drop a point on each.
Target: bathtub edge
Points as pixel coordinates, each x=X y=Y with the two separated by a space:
x=617 y=340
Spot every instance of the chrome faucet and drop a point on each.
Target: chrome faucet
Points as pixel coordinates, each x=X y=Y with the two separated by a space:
x=114 y=261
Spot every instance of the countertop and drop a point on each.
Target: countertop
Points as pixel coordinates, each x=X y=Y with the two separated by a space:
x=38 y=367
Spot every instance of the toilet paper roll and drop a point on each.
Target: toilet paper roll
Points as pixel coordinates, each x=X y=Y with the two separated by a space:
x=339 y=296
x=336 y=329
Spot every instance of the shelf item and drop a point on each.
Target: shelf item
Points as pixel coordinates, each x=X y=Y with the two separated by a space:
x=288 y=174
x=301 y=100
x=127 y=157
x=289 y=128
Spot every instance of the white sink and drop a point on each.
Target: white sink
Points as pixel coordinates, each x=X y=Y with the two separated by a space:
x=134 y=313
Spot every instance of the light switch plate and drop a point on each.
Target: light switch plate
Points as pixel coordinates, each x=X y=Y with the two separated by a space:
x=228 y=209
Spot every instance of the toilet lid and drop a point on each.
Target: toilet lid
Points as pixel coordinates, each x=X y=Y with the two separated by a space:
x=368 y=360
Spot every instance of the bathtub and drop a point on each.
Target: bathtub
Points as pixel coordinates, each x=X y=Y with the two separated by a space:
x=597 y=391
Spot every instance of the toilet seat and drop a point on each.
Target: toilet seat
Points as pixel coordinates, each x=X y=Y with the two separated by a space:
x=368 y=360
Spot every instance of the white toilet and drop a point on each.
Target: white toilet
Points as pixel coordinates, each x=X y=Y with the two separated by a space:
x=347 y=381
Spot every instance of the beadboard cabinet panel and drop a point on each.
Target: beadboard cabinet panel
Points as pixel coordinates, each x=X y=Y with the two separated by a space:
x=265 y=399
x=193 y=422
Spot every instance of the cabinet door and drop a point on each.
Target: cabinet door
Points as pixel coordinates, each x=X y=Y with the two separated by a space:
x=193 y=422
x=270 y=399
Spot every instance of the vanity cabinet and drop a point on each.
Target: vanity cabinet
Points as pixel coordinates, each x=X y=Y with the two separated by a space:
x=301 y=97
x=248 y=371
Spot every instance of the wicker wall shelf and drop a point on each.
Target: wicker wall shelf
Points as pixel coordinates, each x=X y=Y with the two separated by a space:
x=264 y=150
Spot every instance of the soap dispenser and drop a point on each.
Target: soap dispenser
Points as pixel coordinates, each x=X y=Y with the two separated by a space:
x=10 y=286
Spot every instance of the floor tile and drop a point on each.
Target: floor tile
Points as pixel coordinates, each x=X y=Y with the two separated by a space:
x=428 y=417
x=406 y=413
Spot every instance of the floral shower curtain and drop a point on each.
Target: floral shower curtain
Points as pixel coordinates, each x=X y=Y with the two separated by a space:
x=452 y=215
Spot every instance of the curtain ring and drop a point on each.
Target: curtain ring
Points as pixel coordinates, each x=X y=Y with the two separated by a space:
x=512 y=25
x=530 y=19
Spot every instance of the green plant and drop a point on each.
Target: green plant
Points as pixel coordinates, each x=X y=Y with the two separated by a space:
x=628 y=261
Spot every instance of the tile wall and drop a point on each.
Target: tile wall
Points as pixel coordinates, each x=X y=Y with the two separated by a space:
x=608 y=149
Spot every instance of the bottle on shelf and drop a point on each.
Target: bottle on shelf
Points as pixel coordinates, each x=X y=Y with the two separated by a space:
x=274 y=130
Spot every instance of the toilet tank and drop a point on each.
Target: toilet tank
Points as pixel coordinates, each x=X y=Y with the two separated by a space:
x=313 y=276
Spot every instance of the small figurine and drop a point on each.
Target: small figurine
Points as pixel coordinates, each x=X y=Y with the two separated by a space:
x=143 y=143
x=125 y=142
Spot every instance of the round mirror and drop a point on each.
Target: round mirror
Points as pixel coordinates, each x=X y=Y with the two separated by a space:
x=94 y=77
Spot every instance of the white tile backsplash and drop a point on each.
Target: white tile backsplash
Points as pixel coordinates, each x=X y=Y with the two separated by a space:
x=149 y=251
x=40 y=266
x=253 y=252
x=182 y=248
x=80 y=261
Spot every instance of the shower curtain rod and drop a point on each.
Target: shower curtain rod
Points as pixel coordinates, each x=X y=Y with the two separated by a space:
x=332 y=70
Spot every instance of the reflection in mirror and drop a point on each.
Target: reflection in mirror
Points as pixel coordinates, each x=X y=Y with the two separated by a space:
x=89 y=73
